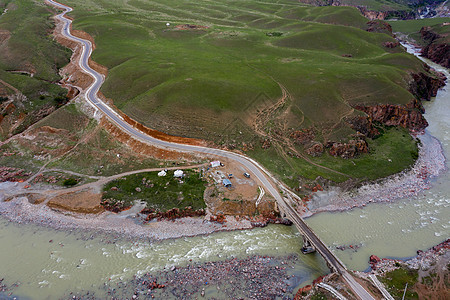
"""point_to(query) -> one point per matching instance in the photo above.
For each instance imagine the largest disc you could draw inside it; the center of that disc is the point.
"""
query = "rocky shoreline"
(424, 259)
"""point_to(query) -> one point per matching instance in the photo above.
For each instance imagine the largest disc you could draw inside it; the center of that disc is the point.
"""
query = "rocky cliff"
(437, 47)
(406, 116)
(422, 85)
(425, 86)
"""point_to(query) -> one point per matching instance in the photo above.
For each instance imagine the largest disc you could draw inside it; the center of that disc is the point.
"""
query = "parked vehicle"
(247, 175)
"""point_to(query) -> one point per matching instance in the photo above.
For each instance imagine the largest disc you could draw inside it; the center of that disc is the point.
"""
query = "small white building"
(215, 164)
(178, 173)
(162, 173)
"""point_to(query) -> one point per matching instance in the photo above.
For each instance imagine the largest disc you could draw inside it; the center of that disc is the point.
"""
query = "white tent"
(162, 173)
(178, 173)
(215, 163)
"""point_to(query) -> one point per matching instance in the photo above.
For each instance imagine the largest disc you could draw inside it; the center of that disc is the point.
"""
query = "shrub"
(70, 182)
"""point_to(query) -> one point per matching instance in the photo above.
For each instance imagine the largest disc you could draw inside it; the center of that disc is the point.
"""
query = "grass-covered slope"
(413, 26)
(29, 63)
(433, 35)
(245, 71)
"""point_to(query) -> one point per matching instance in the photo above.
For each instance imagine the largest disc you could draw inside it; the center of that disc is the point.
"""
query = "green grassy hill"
(245, 71)
(411, 28)
(27, 47)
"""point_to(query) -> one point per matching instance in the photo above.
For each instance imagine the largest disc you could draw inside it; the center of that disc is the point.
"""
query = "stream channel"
(48, 263)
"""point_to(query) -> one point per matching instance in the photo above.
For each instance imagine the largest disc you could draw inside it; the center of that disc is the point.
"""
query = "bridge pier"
(307, 246)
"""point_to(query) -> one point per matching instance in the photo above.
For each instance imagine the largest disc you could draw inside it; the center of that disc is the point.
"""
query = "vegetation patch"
(69, 182)
(392, 152)
(161, 193)
(395, 282)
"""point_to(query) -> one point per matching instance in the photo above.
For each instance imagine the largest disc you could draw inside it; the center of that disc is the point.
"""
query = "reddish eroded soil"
(141, 147)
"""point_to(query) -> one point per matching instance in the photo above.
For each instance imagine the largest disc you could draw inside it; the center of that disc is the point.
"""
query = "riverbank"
(426, 274)
(429, 165)
(130, 223)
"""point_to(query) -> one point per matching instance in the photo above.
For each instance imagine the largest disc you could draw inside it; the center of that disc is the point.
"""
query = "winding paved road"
(271, 184)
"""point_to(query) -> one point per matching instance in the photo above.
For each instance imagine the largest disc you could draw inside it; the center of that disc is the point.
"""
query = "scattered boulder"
(316, 149)
(266, 144)
(303, 137)
(348, 150)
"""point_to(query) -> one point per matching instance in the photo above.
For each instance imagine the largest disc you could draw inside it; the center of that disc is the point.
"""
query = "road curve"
(265, 178)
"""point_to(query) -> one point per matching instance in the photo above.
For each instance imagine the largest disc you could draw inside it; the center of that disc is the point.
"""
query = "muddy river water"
(47, 263)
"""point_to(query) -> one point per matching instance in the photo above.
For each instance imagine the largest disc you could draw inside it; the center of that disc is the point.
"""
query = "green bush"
(70, 182)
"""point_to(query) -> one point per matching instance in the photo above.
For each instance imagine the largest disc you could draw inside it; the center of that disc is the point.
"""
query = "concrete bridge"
(312, 240)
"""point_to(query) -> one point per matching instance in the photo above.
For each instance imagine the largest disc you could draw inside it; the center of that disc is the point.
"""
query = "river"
(48, 263)
(400, 228)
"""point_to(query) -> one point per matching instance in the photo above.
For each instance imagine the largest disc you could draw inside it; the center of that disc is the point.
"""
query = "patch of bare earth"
(82, 201)
(239, 199)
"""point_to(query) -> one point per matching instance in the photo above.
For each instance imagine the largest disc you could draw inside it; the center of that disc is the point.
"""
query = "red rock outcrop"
(372, 14)
(348, 150)
(424, 86)
(437, 48)
(391, 44)
(407, 116)
(302, 291)
(379, 26)
(364, 126)
(315, 150)
(265, 144)
(373, 261)
(302, 137)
